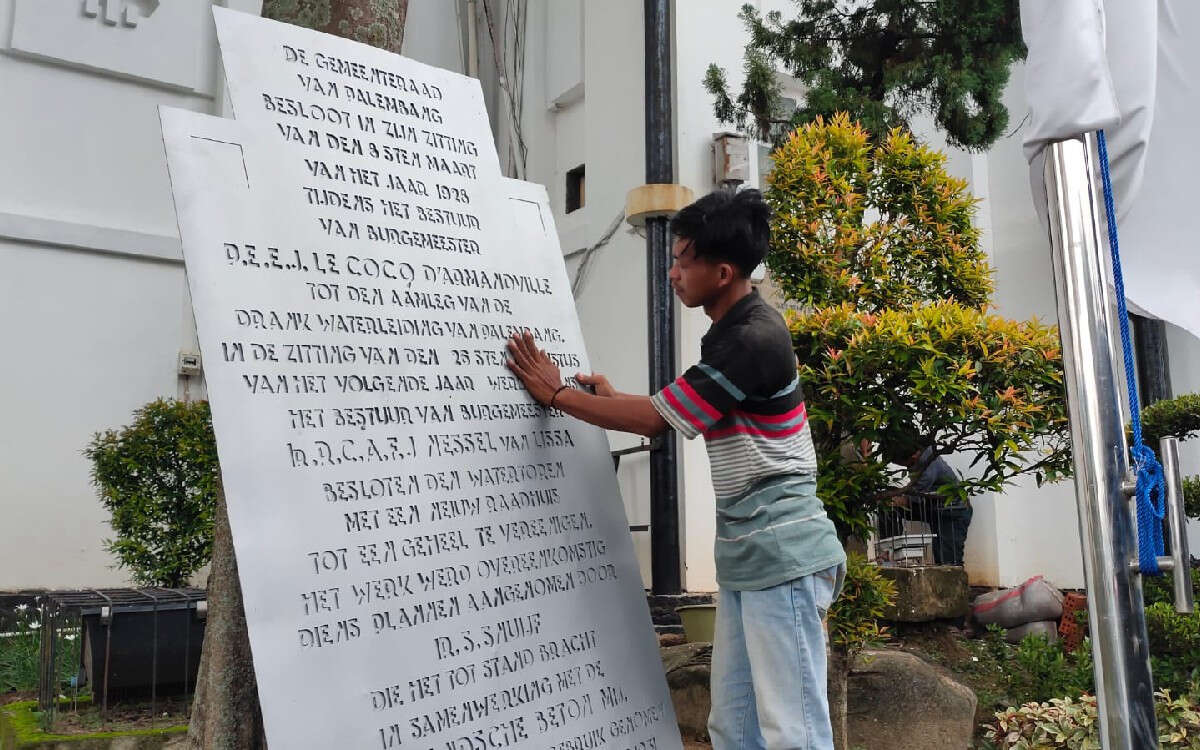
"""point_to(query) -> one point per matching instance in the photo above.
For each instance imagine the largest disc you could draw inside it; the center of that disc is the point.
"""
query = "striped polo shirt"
(744, 397)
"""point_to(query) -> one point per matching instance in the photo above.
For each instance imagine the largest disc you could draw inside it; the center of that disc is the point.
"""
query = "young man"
(779, 562)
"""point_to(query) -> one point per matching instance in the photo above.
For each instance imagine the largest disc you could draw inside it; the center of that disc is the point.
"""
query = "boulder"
(923, 594)
(689, 669)
(896, 700)
(899, 702)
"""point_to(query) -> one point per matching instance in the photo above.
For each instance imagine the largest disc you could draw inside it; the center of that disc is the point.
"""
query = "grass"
(18, 661)
(20, 647)
(22, 722)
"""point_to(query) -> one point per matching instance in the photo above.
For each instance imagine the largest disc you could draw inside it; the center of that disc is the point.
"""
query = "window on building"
(575, 188)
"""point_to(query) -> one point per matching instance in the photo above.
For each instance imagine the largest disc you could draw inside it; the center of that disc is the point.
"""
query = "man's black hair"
(727, 228)
(901, 446)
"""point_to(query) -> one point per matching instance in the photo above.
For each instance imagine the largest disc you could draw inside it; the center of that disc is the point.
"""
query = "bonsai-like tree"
(881, 61)
(873, 243)
(158, 479)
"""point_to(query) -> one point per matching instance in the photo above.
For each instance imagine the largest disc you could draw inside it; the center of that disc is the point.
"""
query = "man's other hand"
(533, 367)
(599, 384)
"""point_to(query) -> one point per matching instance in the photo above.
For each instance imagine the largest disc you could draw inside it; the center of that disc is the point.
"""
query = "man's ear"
(728, 274)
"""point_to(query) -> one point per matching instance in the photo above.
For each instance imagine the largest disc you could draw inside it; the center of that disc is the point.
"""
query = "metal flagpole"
(1124, 691)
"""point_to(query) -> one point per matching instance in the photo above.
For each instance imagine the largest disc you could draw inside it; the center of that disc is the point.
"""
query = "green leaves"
(964, 380)
(1174, 646)
(1174, 417)
(874, 226)
(875, 243)
(158, 477)
(854, 616)
(1074, 724)
(881, 61)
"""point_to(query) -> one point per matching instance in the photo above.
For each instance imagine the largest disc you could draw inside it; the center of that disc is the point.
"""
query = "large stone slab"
(928, 593)
(899, 702)
(428, 558)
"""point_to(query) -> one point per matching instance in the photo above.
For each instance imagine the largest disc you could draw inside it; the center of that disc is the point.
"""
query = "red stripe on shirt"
(690, 392)
(774, 418)
(682, 410)
(743, 429)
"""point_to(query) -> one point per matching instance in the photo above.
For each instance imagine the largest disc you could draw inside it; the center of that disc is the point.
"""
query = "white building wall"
(1185, 378)
(705, 31)
(91, 283)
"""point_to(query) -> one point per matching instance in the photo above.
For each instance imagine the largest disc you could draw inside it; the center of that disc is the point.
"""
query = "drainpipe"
(472, 39)
(665, 566)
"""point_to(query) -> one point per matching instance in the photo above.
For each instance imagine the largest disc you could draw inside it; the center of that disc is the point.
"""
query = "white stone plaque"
(428, 558)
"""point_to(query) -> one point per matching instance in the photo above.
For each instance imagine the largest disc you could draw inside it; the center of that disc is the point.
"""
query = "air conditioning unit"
(731, 159)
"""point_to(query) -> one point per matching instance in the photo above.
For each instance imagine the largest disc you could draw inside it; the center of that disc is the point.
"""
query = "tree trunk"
(225, 710)
(226, 714)
(839, 673)
(379, 23)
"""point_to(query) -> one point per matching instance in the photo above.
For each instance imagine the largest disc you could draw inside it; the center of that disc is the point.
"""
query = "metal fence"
(132, 641)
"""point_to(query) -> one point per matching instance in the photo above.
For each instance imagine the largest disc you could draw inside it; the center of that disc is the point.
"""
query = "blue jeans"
(768, 666)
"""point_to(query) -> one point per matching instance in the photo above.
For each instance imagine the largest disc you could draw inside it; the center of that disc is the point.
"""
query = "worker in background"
(924, 499)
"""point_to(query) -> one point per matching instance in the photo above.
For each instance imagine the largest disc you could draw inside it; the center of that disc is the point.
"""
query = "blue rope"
(1151, 485)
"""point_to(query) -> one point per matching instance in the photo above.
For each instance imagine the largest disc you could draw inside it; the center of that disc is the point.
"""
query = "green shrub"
(854, 617)
(158, 477)
(1041, 670)
(1074, 724)
(1156, 589)
(1191, 497)
(1174, 646)
(1175, 417)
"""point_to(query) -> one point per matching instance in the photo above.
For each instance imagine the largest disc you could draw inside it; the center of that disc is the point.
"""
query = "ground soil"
(121, 717)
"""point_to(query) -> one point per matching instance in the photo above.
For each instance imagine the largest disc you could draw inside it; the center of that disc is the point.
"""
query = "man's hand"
(533, 367)
(607, 408)
(599, 384)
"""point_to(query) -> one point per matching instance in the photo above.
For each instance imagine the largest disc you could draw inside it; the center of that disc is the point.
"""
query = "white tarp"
(1131, 68)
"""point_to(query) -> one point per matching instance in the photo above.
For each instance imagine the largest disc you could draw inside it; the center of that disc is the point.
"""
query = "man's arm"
(623, 412)
(606, 409)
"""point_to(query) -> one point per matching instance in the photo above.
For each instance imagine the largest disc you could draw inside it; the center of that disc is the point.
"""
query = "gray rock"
(671, 639)
(896, 700)
(676, 656)
(899, 702)
(934, 592)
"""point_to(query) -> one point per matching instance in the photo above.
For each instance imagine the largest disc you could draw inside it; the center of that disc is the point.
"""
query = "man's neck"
(730, 297)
